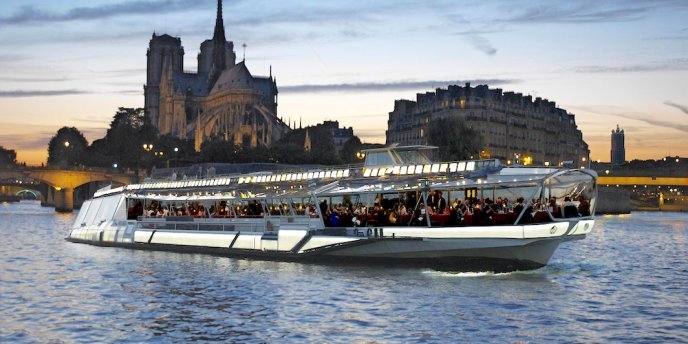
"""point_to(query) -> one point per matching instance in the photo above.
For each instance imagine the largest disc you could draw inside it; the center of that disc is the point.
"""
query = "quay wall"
(613, 201)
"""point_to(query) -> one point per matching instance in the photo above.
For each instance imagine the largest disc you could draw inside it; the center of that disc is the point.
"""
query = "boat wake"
(467, 274)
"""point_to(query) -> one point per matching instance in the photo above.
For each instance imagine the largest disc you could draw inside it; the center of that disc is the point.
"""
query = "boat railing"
(203, 226)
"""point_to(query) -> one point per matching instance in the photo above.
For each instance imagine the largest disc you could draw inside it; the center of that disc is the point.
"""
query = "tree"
(67, 148)
(129, 130)
(175, 151)
(8, 157)
(216, 149)
(456, 141)
(350, 150)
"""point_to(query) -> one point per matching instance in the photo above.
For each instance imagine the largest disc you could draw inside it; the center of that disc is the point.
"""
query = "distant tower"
(618, 149)
(307, 142)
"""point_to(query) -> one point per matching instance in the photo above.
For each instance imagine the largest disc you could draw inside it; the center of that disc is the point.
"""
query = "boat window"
(575, 187)
(379, 159)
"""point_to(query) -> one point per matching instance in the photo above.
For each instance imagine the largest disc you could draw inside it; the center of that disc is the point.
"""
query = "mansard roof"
(197, 83)
(237, 77)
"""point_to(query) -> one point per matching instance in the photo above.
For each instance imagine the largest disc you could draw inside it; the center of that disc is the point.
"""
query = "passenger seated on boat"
(400, 209)
(419, 214)
(570, 209)
(583, 206)
(334, 219)
(441, 203)
(457, 212)
(518, 207)
(497, 205)
(528, 216)
(553, 208)
(506, 206)
(477, 214)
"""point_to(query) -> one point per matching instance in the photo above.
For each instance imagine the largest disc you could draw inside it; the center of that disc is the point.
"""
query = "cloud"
(31, 79)
(638, 116)
(32, 137)
(130, 92)
(683, 108)
(31, 14)
(679, 64)
(482, 44)
(39, 93)
(584, 13)
(387, 86)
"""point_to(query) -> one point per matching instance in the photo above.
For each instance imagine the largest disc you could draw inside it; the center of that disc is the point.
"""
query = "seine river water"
(626, 282)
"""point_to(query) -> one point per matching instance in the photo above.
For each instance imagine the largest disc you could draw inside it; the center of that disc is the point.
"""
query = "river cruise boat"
(398, 208)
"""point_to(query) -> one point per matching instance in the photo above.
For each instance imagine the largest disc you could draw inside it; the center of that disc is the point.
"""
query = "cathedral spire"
(219, 43)
(219, 34)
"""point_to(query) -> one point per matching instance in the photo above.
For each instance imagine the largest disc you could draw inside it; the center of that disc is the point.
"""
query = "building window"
(422, 132)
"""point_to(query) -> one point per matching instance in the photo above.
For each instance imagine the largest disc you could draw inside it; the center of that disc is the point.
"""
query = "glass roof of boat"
(506, 177)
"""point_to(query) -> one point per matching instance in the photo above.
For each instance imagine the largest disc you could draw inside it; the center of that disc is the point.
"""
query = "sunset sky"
(73, 62)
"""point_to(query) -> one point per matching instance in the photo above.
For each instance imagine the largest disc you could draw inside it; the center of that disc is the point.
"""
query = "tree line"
(123, 147)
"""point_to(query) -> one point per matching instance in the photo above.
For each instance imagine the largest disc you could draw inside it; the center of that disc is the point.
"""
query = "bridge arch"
(63, 182)
(35, 194)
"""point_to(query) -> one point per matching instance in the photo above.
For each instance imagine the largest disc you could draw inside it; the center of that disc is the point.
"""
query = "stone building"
(339, 135)
(223, 99)
(515, 128)
(618, 152)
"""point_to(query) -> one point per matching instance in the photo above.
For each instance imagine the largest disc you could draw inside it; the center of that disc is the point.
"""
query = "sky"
(74, 62)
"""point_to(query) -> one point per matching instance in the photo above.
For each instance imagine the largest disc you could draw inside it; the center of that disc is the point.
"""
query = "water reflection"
(626, 282)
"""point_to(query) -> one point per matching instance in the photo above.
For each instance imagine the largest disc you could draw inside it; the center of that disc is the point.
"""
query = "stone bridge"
(639, 180)
(61, 183)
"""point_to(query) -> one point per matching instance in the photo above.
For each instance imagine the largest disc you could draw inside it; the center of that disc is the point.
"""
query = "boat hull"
(498, 255)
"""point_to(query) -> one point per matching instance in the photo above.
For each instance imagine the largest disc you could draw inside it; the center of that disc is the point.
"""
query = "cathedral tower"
(160, 49)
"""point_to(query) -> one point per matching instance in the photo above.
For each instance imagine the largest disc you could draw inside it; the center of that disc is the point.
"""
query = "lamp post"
(66, 144)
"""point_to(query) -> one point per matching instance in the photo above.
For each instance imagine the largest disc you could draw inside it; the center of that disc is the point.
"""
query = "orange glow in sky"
(74, 62)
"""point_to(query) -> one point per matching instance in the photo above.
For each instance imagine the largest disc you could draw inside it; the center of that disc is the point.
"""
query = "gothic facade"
(223, 99)
(514, 127)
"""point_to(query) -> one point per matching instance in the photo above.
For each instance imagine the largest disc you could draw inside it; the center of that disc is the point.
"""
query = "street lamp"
(147, 147)
(360, 155)
(66, 144)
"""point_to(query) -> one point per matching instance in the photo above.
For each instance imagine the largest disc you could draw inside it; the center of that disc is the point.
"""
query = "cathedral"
(222, 100)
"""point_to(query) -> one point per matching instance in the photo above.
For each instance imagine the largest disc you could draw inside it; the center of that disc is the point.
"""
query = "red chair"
(468, 220)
